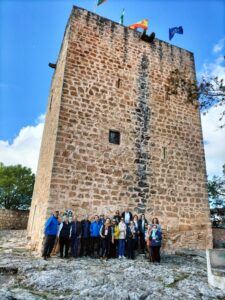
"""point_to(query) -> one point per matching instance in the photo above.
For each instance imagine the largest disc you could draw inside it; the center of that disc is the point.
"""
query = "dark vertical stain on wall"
(88, 17)
(112, 29)
(125, 41)
(160, 56)
(143, 135)
(101, 24)
(160, 50)
(181, 57)
(171, 53)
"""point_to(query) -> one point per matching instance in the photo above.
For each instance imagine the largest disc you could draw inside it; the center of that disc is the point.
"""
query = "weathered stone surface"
(218, 237)
(177, 277)
(108, 78)
(13, 219)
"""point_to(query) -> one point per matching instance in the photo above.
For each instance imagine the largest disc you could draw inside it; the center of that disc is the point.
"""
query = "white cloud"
(214, 69)
(219, 46)
(41, 119)
(25, 147)
(214, 138)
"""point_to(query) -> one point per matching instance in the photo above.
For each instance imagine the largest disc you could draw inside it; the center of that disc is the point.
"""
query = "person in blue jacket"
(95, 237)
(155, 242)
(51, 229)
(101, 220)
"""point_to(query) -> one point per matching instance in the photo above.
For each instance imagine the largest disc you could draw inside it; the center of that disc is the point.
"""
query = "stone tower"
(122, 128)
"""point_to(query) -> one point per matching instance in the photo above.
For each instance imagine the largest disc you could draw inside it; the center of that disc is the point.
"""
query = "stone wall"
(218, 237)
(40, 199)
(13, 219)
(113, 80)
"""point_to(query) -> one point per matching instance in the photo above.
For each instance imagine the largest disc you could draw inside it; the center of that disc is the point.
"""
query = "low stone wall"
(13, 219)
(216, 268)
(218, 237)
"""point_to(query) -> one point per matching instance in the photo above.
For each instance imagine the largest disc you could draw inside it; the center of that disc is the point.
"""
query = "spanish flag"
(142, 24)
(99, 2)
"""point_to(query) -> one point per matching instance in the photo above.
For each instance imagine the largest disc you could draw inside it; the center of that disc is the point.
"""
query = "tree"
(216, 192)
(212, 93)
(16, 187)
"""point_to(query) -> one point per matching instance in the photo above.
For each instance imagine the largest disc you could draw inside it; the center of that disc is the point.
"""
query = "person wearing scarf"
(155, 238)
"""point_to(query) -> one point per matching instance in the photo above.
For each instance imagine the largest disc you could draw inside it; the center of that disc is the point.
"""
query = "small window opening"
(114, 137)
(50, 105)
(118, 83)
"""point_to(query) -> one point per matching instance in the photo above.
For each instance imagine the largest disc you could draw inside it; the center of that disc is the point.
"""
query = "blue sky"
(31, 34)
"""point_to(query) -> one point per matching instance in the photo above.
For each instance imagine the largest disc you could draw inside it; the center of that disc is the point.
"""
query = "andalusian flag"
(122, 17)
(142, 24)
(99, 2)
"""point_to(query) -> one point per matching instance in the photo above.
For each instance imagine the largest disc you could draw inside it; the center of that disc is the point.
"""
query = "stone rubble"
(24, 276)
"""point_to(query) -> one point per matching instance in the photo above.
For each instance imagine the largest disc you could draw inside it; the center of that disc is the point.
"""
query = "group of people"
(121, 237)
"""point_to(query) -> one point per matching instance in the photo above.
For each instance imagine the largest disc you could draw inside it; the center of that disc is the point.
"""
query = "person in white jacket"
(122, 237)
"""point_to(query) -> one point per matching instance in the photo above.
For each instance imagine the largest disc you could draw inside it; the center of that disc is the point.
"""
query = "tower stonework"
(108, 79)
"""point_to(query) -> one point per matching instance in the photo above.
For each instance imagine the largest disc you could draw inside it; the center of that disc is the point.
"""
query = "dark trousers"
(121, 247)
(130, 248)
(113, 249)
(105, 247)
(85, 246)
(136, 243)
(49, 244)
(95, 246)
(155, 253)
(64, 242)
(75, 243)
(142, 241)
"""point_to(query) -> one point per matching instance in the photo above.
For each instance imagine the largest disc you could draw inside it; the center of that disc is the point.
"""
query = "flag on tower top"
(99, 2)
(142, 24)
(174, 30)
(122, 17)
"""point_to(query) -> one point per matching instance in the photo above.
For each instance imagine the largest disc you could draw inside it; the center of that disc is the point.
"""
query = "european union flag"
(174, 30)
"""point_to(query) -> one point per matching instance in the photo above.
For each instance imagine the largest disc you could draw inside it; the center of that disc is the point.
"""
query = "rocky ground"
(24, 276)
